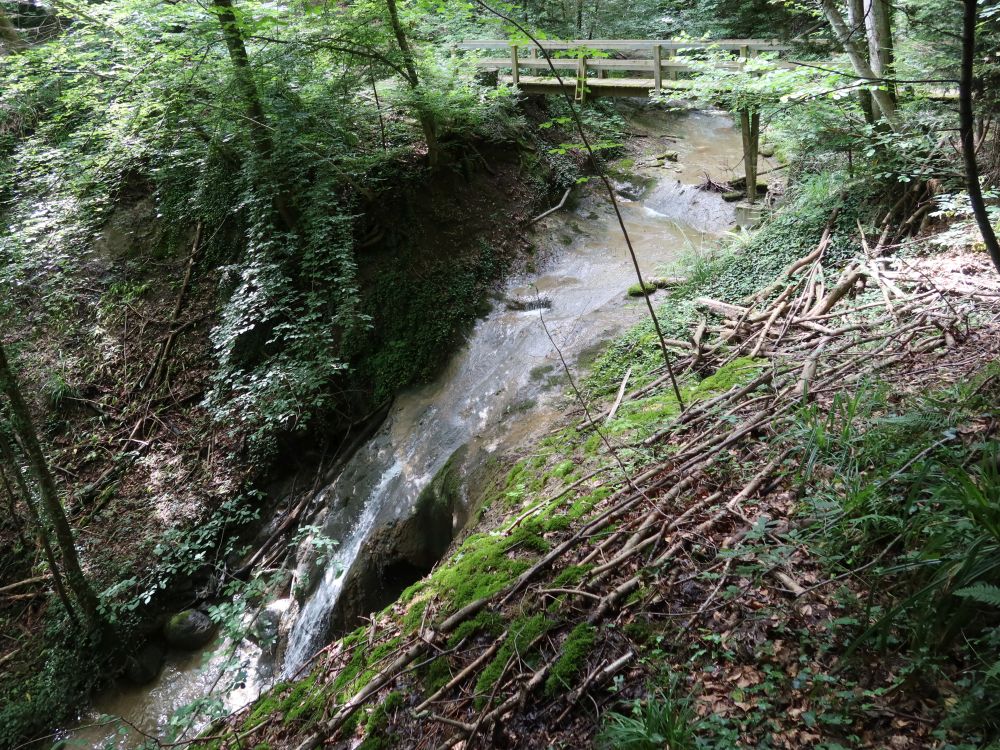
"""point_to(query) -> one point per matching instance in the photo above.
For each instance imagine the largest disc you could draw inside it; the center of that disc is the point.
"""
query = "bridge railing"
(758, 45)
(654, 59)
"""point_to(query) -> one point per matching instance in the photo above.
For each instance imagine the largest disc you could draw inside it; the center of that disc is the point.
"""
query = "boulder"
(265, 628)
(144, 666)
(189, 630)
(767, 150)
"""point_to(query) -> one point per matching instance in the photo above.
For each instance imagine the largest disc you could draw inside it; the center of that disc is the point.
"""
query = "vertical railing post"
(515, 73)
(657, 68)
(581, 80)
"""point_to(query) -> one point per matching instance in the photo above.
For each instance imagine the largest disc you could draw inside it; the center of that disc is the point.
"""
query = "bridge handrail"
(497, 63)
(757, 45)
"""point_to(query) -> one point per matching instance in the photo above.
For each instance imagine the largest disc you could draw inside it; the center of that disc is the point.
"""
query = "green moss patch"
(571, 575)
(564, 672)
(641, 290)
(520, 636)
(480, 567)
(485, 622)
(376, 738)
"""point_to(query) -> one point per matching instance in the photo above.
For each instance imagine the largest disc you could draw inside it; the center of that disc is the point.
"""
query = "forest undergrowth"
(755, 569)
(118, 350)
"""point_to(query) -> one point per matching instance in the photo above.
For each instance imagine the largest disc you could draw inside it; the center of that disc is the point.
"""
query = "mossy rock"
(667, 282)
(144, 666)
(767, 150)
(641, 290)
(667, 156)
(189, 630)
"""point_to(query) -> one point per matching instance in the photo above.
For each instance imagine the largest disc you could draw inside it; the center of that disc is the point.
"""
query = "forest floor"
(753, 569)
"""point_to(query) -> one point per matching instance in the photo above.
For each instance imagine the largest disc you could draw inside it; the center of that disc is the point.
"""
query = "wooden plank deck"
(595, 86)
(500, 63)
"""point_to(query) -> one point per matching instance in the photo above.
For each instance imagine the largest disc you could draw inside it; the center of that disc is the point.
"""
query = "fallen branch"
(553, 209)
(25, 582)
(618, 399)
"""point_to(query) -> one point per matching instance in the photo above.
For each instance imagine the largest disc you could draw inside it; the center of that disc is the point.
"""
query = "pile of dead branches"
(820, 335)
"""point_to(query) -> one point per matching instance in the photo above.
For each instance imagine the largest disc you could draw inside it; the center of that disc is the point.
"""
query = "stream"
(501, 389)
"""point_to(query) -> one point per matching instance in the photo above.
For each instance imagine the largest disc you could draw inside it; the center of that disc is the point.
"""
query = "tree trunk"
(15, 517)
(41, 532)
(859, 63)
(12, 41)
(967, 129)
(24, 431)
(750, 127)
(426, 121)
(878, 25)
(260, 129)
(856, 19)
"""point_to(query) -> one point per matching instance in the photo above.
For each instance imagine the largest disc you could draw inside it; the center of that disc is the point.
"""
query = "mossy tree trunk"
(967, 123)
(856, 19)
(750, 127)
(27, 438)
(425, 117)
(260, 128)
(41, 531)
(881, 49)
(856, 54)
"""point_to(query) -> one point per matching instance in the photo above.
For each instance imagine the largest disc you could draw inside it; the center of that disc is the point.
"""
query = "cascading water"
(497, 391)
(308, 627)
(481, 398)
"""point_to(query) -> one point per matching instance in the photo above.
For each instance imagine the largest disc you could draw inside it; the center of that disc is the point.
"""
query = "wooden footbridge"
(638, 67)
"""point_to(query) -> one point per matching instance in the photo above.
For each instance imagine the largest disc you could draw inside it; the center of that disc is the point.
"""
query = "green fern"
(983, 593)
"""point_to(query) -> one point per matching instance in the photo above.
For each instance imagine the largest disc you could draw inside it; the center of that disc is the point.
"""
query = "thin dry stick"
(607, 186)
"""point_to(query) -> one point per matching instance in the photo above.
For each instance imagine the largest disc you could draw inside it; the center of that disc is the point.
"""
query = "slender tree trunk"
(378, 108)
(750, 127)
(881, 50)
(967, 128)
(260, 129)
(41, 532)
(856, 19)
(579, 18)
(15, 517)
(593, 19)
(24, 430)
(426, 121)
(859, 63)
(10, 39)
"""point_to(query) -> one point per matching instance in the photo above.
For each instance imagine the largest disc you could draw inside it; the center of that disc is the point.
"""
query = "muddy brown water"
(498, 392)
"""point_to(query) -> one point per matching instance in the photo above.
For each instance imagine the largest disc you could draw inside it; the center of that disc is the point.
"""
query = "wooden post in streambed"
(515, 77)
(750, 127)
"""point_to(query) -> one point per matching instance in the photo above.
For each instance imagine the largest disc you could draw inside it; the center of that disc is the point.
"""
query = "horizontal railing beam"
(608, 44)
(565, 63)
